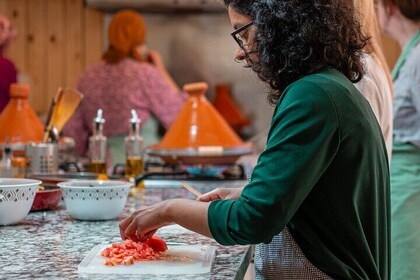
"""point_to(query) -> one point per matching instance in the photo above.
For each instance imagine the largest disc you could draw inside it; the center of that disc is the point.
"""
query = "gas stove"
(157, 170)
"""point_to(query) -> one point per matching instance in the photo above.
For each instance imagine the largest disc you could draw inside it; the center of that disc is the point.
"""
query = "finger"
(131, 231)
(206, 197)
(124, 224)
(210, 196)
(122, 234)
(151, 233)
(145, 235)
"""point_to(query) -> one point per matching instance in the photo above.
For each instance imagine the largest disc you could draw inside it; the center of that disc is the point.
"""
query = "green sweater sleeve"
(302, 142)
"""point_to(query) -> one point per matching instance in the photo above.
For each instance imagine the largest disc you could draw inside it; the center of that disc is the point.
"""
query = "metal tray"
(191, 156)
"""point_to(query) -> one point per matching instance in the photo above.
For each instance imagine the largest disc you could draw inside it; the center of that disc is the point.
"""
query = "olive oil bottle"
(97, 147)
(134, 150)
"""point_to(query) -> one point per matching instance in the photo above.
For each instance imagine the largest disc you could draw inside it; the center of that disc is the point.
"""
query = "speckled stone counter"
(51, 244)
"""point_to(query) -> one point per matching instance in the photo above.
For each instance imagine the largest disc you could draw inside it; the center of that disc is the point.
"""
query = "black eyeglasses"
(237, 37)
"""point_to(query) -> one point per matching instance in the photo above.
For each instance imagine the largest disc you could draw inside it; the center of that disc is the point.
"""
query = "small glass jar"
(19, 165)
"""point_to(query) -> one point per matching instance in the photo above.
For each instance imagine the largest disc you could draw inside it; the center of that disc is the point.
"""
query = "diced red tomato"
(129, 252)
(157, 244)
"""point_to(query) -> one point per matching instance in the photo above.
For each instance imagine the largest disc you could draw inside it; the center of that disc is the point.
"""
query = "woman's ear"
(390, 9)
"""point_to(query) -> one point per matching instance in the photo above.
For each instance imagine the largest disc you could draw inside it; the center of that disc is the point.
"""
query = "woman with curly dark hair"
(317, 204)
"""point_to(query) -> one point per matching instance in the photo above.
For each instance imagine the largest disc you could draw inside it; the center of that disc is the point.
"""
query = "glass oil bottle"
(134, 150)
(97, 147)
(6, 170)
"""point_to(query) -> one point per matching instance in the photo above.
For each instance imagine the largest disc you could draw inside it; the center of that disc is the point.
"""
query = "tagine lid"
(199, 125)
(18, 121)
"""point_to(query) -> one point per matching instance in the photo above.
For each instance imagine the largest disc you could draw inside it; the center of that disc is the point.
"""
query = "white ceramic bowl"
(95, 199)
(16, 198)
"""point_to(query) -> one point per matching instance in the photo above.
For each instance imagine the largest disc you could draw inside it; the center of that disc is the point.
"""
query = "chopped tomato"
(157, 244)
(130, 251)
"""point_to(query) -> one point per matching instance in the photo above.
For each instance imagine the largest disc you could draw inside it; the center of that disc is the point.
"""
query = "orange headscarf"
(126, 31)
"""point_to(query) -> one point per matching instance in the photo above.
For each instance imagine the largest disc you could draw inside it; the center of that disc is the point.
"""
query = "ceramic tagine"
(18, 121)
(199, 134)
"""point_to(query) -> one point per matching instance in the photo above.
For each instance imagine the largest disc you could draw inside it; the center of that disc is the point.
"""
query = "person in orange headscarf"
(131, 77)
(8, 72)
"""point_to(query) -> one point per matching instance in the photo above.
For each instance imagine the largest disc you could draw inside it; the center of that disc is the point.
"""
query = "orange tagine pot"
(18, 121)
(225, 105)
(199, 134)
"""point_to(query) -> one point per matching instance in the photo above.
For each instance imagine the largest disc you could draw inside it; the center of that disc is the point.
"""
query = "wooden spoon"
(50, 114)
(190, 188)
(65, 107)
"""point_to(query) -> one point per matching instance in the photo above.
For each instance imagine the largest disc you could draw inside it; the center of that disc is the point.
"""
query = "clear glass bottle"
(134, 149)
(6, 169)
(97, 147)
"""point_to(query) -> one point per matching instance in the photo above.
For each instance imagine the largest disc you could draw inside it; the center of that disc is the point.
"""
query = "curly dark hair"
(295, 38)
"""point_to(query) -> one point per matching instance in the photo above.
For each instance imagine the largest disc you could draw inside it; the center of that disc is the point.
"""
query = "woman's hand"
(143, 223)
(221, 193)
(155, 58)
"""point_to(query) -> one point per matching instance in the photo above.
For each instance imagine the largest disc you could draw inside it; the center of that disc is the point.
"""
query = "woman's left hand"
(143, 223)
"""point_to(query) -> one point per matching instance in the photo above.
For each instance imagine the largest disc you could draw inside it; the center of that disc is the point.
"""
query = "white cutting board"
(180, 259)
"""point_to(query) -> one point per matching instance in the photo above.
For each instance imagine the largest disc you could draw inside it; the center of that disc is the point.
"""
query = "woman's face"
(7, 32)
(246, 36)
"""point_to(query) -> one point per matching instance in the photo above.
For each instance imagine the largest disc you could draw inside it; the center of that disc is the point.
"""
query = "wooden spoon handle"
(191, 189)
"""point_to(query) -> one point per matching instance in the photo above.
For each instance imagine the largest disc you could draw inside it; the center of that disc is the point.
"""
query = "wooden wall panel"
(3, 6)
(57, 40)
(56, 49)
(16, 12)
(36, 66)
(93, 36)
(74, 62)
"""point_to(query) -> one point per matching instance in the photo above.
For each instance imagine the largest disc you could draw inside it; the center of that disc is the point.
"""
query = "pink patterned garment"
(8, 75)
(118, 88)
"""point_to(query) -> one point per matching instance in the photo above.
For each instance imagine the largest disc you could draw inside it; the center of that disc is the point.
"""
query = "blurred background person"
(8, 73)
(376, 85)
(131, 77)
(401, 21)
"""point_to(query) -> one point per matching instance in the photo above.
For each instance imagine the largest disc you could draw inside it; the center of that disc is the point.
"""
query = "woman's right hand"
(221, 193)
(154, 58)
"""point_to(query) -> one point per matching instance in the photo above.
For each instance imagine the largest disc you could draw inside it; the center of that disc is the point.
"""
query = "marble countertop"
(51, 244)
